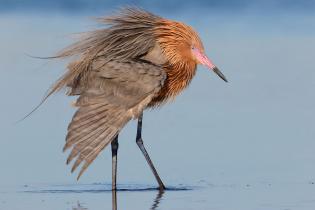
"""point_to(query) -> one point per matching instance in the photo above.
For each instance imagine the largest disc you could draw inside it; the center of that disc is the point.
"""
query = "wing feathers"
(81, 143)
(116, 92)
(90, 134)
(76, 132)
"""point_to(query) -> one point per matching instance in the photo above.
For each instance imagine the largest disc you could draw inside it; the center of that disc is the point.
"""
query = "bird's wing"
(116, 92)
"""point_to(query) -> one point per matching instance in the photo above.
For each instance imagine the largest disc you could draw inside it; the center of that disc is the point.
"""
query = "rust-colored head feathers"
(177, 40)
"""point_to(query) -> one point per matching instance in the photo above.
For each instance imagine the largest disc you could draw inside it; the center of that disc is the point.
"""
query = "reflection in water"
(157, 200)
(79, 207)
(114, 199)
(154, 206)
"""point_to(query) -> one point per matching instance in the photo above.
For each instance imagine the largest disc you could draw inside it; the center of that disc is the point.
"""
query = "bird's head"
(182, 45)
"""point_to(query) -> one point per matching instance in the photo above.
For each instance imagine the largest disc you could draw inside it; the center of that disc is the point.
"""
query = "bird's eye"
(192, 47)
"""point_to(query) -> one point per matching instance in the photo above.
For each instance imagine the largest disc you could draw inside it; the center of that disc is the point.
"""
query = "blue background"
(257, 130)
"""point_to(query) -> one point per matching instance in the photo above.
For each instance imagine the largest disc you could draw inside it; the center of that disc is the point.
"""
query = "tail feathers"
(92, 128)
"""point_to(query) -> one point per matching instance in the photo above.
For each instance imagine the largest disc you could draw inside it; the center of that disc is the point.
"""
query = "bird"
(137, 61)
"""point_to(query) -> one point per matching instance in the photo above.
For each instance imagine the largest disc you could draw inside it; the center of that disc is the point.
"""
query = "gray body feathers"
(115, 77)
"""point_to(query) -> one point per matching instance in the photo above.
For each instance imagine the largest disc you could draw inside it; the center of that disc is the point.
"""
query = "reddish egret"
(139, 61)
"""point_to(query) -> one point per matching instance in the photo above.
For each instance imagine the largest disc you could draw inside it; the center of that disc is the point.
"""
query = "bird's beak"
(219, 73)
(204, 60)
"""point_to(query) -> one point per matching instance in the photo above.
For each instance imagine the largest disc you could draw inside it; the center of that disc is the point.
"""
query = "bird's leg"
(145, 153)
(114, 145)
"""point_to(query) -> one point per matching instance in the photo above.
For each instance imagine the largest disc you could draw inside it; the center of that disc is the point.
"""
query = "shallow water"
(258, 196)
(245, 145)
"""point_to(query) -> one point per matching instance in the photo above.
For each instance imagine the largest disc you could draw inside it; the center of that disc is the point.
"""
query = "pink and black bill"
(203, 59)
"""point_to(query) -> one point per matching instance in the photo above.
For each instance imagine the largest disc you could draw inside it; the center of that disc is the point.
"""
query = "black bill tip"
(219, 73)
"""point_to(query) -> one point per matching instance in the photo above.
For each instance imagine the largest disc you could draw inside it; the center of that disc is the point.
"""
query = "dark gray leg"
(114, 145)
(145, 153)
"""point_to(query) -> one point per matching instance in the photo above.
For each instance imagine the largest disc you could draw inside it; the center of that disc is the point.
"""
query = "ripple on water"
(97, 188)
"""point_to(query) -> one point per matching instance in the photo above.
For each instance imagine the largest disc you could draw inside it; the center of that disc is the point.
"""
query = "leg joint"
(114, 144)
(115, 147)
(139, 140)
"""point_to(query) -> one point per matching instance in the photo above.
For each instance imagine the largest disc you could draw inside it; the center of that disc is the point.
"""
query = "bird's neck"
(178, 78)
